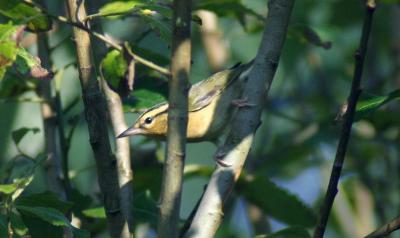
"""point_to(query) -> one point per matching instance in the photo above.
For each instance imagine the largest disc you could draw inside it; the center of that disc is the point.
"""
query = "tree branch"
(245, 123)
(347, 123)
(386, 229)
(95, 112)
(101, 37)
(170, 197)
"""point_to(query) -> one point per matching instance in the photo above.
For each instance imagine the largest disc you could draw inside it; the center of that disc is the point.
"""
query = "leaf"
(22, 183)
(30, 66)
(117, 7)
(47, 214)
(233, 8)
(97, 212)
(23, 13)
(18, 225)
(114, 67)
(290, 232)
(373, 103)
(44, 199)
(306, 33)
(276, 201)
(3, 226)
(162, 28)
(17, 135)
(8, 188)
(8, 47)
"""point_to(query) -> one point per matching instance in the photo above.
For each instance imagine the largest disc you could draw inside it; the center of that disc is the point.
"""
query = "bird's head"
(152, 122)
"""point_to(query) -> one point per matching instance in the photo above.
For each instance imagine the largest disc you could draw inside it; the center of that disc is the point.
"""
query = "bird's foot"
(242, 103)
(219, 158)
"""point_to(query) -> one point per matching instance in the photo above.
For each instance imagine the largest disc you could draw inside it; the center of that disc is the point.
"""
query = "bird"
(211, 104)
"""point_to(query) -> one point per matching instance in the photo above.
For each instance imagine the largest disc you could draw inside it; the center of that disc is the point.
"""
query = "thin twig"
(171, 190)
(386, 229)
(96, 114)
(103, 38)
(245, 123)
(347, 123)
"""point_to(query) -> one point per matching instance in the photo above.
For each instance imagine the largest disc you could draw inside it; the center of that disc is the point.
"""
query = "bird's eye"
(148, 120)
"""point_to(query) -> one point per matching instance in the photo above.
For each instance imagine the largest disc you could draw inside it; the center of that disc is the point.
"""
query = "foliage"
(296, 141)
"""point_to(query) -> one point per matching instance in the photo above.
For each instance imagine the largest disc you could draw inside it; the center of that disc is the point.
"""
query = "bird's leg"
(243, 102)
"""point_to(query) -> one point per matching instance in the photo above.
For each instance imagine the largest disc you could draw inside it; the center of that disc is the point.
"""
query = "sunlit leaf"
(8, 188)
(372, 103)
(22, 183)
(8, 47)
(30, 66)
(17, 135)
(97, 212)
(290, 232)
(276, 201)
(118, 7)
(23, 13)
(114, 68)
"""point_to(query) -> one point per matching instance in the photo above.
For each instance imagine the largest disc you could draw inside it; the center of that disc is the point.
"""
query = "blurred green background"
(296, 143)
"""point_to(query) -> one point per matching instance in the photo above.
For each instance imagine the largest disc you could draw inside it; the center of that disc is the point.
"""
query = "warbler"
(211, 104)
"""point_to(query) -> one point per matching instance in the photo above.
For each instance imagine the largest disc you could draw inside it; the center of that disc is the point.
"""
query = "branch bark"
(170, 196)
(347, 123)
(245, 123)
(386, 229)
(95, 112)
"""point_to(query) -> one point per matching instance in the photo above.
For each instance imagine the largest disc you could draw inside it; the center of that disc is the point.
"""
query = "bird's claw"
(219, 158)
(242, 103)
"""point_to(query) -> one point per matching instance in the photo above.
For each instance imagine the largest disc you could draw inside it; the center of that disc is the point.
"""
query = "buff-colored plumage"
(210, 108)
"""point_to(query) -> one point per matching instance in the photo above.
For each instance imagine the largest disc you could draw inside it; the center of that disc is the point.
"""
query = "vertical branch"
(95, 112)
(118, 124)
(177, 121)
(347, 123)
(245, 123)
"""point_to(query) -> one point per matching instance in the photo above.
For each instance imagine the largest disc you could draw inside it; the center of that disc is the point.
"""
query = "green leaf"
(23, 13)
(97, 212)
(8, 188)
(159, 26)
(17, 135)
(18, 225)
(118, 8)
(79, 233)
(44, 199)
(30, 66)
(22, 183)
(233, 8)
(276, 201)
(8, 47)
(290, 232)
(114, 67)
(3, 226)
(372, 103)
(47, 214)
(307, 34)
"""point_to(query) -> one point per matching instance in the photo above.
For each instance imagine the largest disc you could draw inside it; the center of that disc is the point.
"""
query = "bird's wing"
(202, 93)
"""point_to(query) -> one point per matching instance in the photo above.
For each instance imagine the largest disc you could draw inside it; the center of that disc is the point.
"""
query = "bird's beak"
(130, 132)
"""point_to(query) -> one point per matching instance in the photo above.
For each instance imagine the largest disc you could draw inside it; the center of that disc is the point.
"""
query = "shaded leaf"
(47, 214)
(18, 225)
(44, 199)
(23, 13)
(17, 135)
(8, 188)
(3, 226)
(307, 34)
(233, 8)
(276, 201)
(290, 232)
(97, 212)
